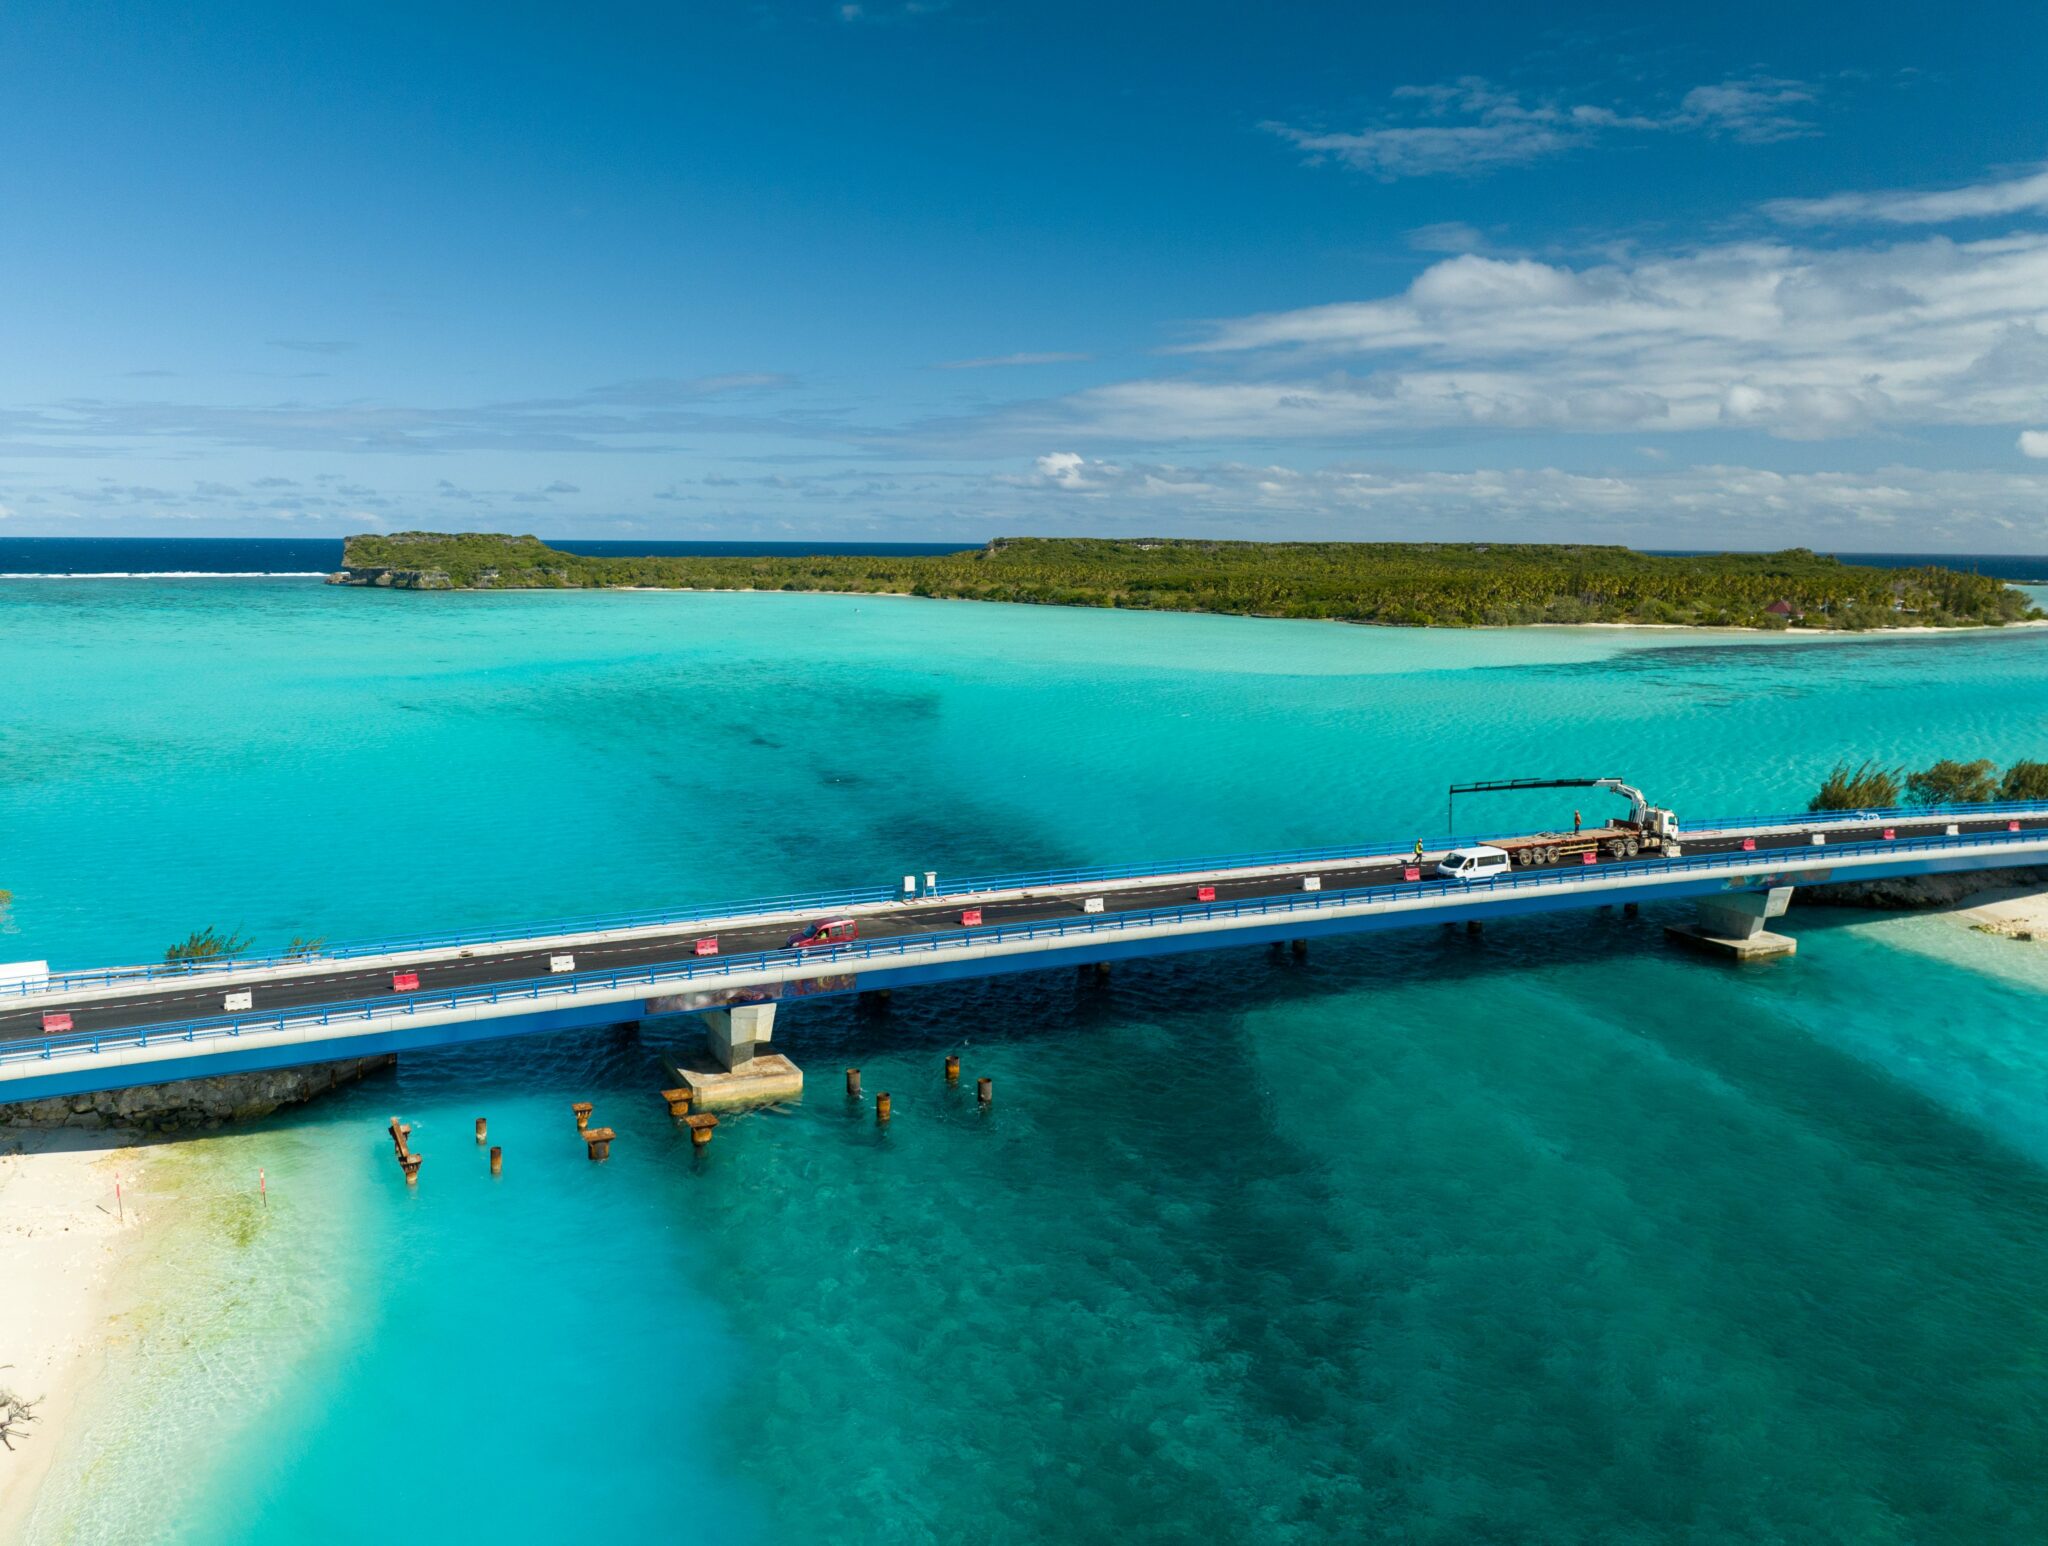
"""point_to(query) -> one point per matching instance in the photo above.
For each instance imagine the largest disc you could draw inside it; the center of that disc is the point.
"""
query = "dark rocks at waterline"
(186, 1104)
(1903, 893)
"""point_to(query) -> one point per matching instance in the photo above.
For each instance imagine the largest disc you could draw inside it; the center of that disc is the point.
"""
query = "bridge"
(76, 1032)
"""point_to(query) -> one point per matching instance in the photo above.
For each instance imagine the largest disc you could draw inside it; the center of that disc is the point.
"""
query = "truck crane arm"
(1640, 810)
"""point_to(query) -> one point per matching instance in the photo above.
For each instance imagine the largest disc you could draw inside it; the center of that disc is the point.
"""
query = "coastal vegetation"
(207, 944)
(1417, 584)
(1871, 786)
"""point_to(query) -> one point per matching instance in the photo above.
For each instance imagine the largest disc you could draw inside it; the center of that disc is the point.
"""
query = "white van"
(1474, 863)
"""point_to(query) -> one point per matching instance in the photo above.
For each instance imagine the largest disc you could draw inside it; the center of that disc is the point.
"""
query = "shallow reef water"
(1545, 1235)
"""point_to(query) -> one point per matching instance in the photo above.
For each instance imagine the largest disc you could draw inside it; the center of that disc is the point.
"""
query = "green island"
(1408, 584)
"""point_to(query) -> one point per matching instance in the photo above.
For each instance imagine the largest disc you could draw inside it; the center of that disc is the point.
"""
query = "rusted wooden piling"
(497, 1160)
(952, 1069)
(702, 1124)
(679, 1100)
(582, 1108)
(401, 1140)
(853, 1083)
(882, 1107)
(984, 1089)
(600, 1141)
(480, 1127)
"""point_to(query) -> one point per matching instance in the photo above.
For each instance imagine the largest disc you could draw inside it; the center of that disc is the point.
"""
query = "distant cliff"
(1417, 584)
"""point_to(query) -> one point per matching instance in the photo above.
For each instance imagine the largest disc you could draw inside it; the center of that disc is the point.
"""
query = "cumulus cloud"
(1796, 342)
(1977, 201)
(1470, 126)
(2034, 443)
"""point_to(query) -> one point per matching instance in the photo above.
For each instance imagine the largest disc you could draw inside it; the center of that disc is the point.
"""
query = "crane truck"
(1646, 829)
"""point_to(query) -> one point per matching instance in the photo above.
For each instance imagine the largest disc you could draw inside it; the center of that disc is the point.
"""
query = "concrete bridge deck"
(143, 1025)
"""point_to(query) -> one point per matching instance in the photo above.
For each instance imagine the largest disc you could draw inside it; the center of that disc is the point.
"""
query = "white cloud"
(1470, 126)
(1042, 357)
(1796, 342)
(1978, 201)
(1758, 110)
(1699, 506)
(2034, 442)
(1064, 469)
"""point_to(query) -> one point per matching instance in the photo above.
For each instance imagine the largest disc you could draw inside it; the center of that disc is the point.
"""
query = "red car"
(826, 931)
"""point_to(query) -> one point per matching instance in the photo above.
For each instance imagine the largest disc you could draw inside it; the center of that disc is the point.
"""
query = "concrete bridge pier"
(1732, 924)
(734, 1036)
(737, 1069)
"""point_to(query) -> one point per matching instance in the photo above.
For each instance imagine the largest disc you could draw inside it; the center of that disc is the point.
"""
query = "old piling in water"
(582, 1108)
(480, 1125)
(853, 1083)
(410, 1164)
(679, 1100)
(952, 1068)
(600, 1141)
(984, 1089)
(882, 1107)
(701, 1125)
(497, 1160)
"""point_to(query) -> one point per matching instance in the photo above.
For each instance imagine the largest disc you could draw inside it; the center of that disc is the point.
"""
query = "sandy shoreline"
(65, 1240)
(1275, 617)
(2014, 911)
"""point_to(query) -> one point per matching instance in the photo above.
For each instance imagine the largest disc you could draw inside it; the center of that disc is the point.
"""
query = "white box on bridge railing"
(24, 975)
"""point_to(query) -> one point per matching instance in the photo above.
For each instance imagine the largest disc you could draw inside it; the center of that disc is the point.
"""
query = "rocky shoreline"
(187, 1105)
(1908, 893)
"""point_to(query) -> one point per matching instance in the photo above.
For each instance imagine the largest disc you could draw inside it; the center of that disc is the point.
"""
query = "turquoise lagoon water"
(1551, 1235)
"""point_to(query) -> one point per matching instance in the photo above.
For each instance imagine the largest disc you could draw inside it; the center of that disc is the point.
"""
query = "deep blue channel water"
(1550, 1235)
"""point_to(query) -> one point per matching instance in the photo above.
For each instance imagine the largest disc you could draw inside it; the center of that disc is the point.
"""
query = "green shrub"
(1864, 787)
(206, 945)
(2024, 781)
(1953, 783)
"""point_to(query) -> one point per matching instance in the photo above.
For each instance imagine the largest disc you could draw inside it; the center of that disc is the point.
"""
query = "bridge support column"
(736, 1068)
(1732, 924)
(735, 1035)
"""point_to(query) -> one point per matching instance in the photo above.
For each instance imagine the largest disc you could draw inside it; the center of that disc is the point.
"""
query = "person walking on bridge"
(1418, 850)
(1575, 823)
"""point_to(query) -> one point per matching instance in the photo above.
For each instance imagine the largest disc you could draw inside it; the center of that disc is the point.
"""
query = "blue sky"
(1744, 276)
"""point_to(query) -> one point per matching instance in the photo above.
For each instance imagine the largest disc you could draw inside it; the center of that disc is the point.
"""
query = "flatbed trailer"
(1612, 842)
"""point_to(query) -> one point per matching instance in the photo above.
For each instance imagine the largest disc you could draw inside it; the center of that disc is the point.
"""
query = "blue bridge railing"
(816, 903)
(851, 956)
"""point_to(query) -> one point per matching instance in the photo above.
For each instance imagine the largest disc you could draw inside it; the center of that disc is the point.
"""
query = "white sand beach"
(2013, 911)
(64, 1236)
